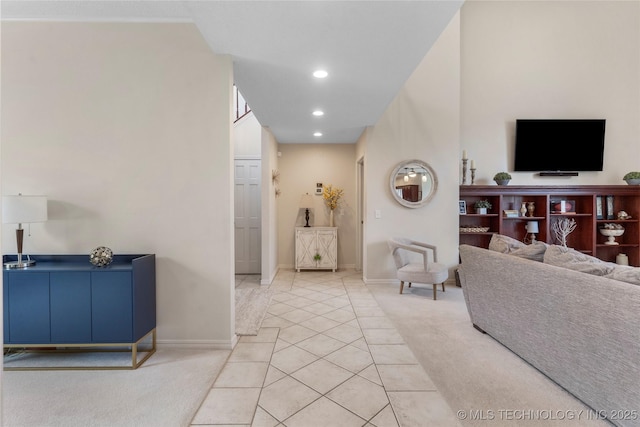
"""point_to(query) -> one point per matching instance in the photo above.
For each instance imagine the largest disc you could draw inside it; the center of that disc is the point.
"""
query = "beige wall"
(127, 126)
(502, 61)
(301, 167)
(247, 137)
(560, 59)
(421, 123)
(269, 265)
(127, 129)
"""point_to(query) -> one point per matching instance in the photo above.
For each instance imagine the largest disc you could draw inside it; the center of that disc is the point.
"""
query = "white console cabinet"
(317, 248)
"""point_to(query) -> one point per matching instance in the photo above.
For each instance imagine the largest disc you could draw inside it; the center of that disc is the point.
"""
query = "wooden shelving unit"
(584, 200)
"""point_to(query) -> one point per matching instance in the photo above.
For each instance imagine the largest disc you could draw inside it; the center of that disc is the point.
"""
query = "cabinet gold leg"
(77, 348)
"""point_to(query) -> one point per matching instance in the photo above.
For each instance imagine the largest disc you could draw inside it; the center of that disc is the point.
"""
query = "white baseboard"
(198, 344)
(286, 267)
(268, 281)
(381, 281)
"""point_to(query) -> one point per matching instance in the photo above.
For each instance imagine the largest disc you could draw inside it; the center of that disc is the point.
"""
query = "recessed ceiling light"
(317, 134)
(320, 74)
(318, 113)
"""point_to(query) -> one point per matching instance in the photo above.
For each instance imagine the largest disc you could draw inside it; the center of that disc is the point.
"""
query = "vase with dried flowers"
(331, 197)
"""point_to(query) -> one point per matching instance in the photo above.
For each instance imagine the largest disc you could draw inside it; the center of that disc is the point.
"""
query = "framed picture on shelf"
(563, 206)
(462, 207)
(599, 208)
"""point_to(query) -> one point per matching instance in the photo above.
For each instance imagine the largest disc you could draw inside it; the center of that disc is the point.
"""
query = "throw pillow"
(504, 244)
(574, 260)
(534, 251)
(509, 245)
(625, 273)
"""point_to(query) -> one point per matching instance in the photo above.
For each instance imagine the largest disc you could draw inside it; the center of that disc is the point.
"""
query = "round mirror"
(413, 183)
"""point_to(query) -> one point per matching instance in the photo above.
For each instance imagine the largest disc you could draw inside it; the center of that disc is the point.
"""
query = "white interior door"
(247, 216)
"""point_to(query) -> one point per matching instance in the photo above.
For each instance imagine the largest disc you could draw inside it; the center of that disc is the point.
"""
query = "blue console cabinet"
(64, 301)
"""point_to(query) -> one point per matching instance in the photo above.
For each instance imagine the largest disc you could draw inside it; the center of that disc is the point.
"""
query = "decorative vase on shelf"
(331, 218)
(523, 209)
(531, 207)
(612, 231)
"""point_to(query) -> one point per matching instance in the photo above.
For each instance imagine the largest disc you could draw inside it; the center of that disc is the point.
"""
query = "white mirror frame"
(413, 164)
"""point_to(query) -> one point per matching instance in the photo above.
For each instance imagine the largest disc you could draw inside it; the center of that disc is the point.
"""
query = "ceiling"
(369, 49)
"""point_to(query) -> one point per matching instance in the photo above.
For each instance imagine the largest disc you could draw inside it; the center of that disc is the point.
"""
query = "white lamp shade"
(306, 201)
(24, 209)
(532, 227)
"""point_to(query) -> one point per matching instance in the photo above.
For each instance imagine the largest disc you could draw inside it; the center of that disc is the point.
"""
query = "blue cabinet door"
(70, 307)
(28, 294)
(111, 306)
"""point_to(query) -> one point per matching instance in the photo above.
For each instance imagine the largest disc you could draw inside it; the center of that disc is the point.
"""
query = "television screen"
(559, 145)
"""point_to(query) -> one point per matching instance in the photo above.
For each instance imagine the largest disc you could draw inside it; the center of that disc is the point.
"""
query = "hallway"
(326, 355)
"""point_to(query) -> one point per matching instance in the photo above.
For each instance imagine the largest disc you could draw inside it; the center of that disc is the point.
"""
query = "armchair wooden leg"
(442, 286)
(401, 286)
(409, 284)
(435, 288)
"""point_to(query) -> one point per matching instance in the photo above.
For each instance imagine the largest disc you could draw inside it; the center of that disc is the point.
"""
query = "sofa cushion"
(534, 251)
(577, 261)
(625, 273)
(504, 244)
(511, 246)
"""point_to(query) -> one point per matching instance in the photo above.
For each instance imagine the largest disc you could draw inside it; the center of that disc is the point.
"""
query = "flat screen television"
(559, 145)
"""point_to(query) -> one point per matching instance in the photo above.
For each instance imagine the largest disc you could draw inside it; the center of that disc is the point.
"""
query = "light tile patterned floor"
(326, 355)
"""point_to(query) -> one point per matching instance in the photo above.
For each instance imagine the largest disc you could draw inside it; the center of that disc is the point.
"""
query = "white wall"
(510, 60)
(301, 167)
(421, 123)
(127, 129)
(247, 137)
(558, 59)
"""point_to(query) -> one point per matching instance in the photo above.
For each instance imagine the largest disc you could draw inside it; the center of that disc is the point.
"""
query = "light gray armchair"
(417, 272)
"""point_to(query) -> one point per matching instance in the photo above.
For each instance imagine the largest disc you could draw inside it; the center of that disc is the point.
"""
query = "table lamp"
(22, 210)
(306, 203)
(532, 230)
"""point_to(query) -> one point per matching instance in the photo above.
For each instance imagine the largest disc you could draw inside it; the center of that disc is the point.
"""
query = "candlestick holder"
(464, 171)
(473, 175)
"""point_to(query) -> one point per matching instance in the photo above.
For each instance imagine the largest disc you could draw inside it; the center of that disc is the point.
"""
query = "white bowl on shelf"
(611, 233)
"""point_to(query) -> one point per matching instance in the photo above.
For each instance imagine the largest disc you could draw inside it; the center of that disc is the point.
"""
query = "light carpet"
(165, 391)
(478, 376)
(251, 307)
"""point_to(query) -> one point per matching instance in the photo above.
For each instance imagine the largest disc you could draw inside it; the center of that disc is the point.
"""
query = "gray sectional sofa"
(581, 329)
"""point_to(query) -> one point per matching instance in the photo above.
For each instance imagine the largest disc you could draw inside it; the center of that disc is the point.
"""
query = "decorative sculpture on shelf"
(101, 256)
(612, 230)
(531, 207)
(562, 228)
